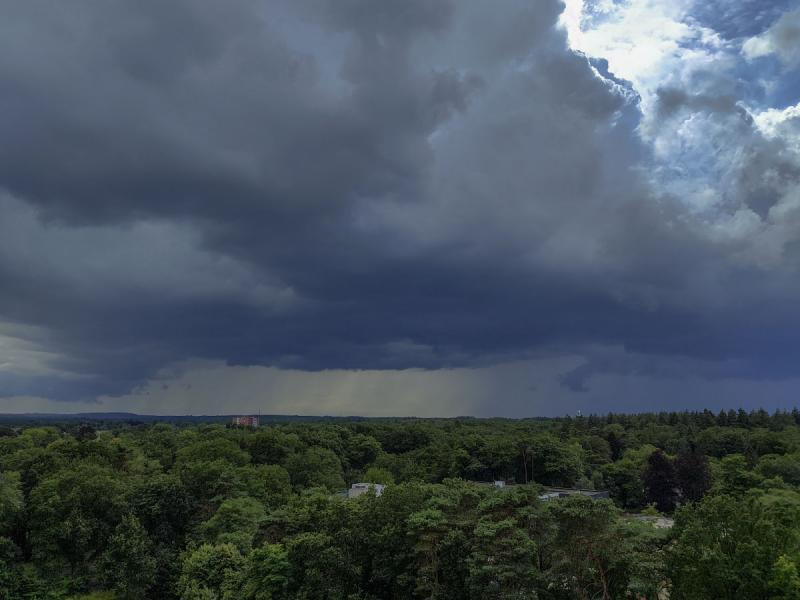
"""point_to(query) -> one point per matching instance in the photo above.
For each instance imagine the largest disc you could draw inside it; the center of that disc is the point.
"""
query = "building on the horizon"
(246, 421)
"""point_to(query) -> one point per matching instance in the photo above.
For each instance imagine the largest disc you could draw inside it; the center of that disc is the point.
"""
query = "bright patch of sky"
(775, 122)
(638, 38)
(714, 96)
(21, 355)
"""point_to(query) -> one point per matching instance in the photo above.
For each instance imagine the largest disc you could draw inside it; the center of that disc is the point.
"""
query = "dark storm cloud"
(346, 184)
(672, 100)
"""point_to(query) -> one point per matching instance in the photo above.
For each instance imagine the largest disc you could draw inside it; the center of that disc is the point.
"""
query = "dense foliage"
(124, 510)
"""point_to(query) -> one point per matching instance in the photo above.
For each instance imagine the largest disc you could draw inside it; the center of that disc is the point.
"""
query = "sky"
(409, 207)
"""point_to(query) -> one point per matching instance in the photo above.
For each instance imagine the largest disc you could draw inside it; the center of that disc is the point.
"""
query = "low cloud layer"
(438, 186)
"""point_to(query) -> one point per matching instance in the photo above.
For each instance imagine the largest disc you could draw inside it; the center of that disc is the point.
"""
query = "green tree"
(212, 572)
(128, 563)
(554, 462)
(212, 450)
(266, 574)
(659, 481)
(731, 475)
(72, 515)
(692, 473)
(503, 564)
(319, 568)
(11, 500)
(9, 576)
(360, 450)
(209, 483)
(269, 483)
(163, 507)
(429, 528)
(615, 436)
(271, 446)
(729, 547)
(316, 467)
(786, 466)
(378, 475)
(624, 482)
(784, 580)
(588, 552)
(236, 521)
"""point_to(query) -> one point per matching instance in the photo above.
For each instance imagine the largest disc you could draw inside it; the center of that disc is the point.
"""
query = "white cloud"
(782, 39)
(656, 45)
(640, 39)
(781, 123)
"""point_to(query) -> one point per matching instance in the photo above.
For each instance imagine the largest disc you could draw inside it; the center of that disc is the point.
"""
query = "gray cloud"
(782, 39)
(358, 185)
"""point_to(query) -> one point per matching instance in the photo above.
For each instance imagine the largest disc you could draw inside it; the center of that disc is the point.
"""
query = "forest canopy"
(110, 509)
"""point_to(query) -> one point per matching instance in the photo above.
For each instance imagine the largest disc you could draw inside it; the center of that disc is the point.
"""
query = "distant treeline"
(705, 418)
(128, 508)
(108, 420)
